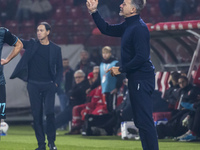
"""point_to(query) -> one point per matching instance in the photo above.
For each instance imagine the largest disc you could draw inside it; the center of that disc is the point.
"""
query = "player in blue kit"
(12, 40)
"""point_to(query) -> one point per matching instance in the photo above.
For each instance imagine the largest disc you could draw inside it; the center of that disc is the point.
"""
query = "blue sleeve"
(110, 30)
(141, 47)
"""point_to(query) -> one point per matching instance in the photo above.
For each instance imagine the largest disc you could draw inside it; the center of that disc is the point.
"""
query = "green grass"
(23, 138)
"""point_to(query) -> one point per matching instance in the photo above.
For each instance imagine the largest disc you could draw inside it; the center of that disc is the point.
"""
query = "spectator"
(171, 94)
(41, 10)
(110, 122)
(24, 10)
(166, 7)
(174, 127)
(3, 12)
(192, 5)
(77, 96)
(109, 84)
(181, 8)
(185, 87)
(77, 112)
(11, 8)
(66, 84)
(191, 121)
(96, 57)
(85, 64)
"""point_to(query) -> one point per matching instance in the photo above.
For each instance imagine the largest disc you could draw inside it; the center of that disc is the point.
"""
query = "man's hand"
(114, 71)
(4, 61)
(92, 5)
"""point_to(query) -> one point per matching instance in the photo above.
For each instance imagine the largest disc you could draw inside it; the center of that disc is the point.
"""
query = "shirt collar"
(132, 19)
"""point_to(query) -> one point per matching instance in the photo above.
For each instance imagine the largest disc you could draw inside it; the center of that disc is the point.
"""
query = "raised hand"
(92, 5)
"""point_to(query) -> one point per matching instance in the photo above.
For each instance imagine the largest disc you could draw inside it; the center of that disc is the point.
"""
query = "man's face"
(95, 74)
(65, 63)
(127, 9)
(42, 33)
(182, 83)
(84, 56)
(106, 55)
(78, 78)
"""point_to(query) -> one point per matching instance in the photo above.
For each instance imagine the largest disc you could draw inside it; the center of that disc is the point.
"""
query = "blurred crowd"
(95, 110)
(179, 8)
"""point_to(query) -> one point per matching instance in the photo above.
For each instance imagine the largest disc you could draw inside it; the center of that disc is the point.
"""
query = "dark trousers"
(110, 101)
(105, 121)
(140, 97)
(42, 99)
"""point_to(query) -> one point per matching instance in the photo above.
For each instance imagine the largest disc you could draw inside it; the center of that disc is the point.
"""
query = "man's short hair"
(139, 5)
(107, 49)
(80, 72)
(47, 25)
(175, 76)
(84, 51)
(184, 78)
(96, 67)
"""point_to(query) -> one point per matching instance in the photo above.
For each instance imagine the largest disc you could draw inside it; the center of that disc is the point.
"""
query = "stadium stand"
(75, 21)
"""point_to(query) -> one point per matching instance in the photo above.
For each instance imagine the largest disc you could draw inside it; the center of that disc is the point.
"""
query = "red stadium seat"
(80, 39)
(196, 80)
(59, 14)
(158, 81)
(164, 82)
(12, 25)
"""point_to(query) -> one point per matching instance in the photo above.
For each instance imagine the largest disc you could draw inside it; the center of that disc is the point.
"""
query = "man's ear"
(133, 11)
(48, 32)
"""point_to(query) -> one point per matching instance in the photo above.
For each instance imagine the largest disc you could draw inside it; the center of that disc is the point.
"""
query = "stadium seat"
(196, 80)
(28, 27)
(75, 13)
(164, 82)
(158, 81)
(12, 25)
(60, 13)
(80, 39)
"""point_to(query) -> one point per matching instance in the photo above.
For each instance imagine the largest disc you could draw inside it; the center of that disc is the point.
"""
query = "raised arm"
(115, 30)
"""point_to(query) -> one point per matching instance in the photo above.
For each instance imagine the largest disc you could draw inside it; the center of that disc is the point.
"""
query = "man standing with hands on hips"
(136, 63)
(6, 37)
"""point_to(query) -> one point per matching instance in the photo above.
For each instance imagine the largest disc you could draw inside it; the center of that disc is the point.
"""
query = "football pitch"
(23, 138)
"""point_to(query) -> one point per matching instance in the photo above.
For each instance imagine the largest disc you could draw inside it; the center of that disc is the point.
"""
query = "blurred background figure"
(24, 10)
(85, 63)
(66, 84)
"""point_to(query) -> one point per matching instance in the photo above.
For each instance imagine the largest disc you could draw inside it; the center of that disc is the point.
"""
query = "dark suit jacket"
(55, 61)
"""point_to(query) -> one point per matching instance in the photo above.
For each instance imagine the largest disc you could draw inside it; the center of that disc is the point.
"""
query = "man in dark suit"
(41, 66)
(135, 63)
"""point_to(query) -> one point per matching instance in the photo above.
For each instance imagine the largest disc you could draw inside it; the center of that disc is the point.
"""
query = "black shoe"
(52, 146)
